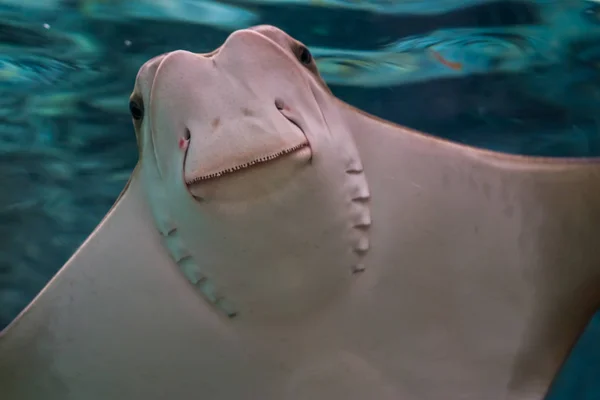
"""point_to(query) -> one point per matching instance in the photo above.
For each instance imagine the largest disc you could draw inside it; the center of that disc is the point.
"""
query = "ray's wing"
(501, 247)
(119, 321)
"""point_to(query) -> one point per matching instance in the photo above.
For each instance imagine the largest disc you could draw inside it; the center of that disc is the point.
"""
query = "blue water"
(514, 76)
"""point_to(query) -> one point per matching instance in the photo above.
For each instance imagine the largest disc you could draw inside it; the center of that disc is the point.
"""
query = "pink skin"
(183, 143)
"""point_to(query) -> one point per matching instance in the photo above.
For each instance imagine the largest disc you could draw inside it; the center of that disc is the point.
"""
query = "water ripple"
(455, 52)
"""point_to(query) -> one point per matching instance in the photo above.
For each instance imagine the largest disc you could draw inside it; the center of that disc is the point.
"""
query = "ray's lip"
(264, 159)
(258, 161)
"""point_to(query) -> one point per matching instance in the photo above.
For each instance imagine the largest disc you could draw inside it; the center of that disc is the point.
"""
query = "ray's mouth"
(303, 148)
(256, 162)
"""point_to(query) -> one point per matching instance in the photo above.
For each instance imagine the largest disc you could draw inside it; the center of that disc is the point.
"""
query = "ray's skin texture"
(276, 243)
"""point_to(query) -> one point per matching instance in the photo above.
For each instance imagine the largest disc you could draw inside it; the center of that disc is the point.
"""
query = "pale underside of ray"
(483, 271)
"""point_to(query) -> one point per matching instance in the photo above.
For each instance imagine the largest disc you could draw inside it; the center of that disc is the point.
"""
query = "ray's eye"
(137, 111)
(304, 56)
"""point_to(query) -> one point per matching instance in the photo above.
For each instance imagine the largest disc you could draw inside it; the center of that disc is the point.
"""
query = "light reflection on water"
(514, 76)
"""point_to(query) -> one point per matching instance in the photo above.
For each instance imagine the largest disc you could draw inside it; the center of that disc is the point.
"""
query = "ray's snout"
(228, 116)
(250, 139)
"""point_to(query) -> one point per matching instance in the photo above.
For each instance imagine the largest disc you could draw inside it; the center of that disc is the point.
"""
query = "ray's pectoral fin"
(121, 286)
(341, 375)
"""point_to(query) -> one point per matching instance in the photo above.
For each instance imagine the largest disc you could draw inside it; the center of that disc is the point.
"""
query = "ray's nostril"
(279, 104)
(185, 140)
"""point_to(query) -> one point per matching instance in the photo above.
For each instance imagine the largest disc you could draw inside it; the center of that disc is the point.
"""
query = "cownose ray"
(274, 242)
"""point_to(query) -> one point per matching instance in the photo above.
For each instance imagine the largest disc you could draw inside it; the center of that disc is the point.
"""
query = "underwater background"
(514, 76)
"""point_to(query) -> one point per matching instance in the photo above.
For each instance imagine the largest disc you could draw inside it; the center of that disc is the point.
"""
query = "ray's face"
(251, 174)
(245, 113)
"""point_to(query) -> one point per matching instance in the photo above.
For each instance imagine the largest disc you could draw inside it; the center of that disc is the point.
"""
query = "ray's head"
(247, 112)
(251, 173)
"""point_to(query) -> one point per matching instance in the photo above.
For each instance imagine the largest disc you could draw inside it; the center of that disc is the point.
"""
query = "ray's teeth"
(249, 164)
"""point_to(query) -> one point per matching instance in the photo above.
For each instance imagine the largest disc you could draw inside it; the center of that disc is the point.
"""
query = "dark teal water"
(514, 76)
